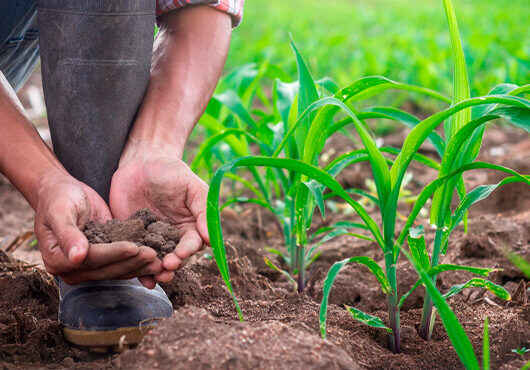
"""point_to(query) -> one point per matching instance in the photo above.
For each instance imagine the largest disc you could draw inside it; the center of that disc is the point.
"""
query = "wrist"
(46, 177)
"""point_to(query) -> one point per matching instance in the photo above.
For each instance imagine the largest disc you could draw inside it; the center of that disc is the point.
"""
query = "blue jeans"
(19, 40)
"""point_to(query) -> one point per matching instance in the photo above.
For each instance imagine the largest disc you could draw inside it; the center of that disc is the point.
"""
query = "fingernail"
(75, 251)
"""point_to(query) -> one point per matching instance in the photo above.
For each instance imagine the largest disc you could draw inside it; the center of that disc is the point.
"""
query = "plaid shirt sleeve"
(232, 7)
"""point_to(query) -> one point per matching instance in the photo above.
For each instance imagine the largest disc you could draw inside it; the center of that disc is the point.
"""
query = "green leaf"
(269, 263)
(205, 148)
(307, 95)
(259, 202)
(418, 249)
(449, 267)
(406, 295)
(230, 99)
(332, 274)
(316, 191)
(460, 77)
(497, 290)
(520, 263)
(486, 346)
(410, 121)
(367, 87)
(519, 117)
(456, 333)
(428, 190)
(367, 319)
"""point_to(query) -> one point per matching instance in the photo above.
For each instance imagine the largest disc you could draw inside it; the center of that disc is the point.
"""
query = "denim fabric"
(19, 40)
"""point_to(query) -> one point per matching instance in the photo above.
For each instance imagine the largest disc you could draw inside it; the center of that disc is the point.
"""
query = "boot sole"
(106, 338)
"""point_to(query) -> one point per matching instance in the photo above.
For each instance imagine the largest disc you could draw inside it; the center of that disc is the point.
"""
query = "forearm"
(24, 158)
(190, 52)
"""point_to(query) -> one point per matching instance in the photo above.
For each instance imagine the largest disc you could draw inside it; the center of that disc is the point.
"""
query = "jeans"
(19, 40)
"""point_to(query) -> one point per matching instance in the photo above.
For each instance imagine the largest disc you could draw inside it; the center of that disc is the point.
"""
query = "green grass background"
(406, 40)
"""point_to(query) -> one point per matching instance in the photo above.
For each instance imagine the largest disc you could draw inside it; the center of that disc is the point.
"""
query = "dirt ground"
(281, 329)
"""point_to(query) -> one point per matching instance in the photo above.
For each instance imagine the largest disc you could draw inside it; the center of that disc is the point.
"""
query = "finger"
(197, 206)
(190, 243)
(107, 253)
(115, 270)
(165, 276)
(63, 223)
(147, 281)
(171, 262)
(53, 256)
(150, 269)
(203, 228)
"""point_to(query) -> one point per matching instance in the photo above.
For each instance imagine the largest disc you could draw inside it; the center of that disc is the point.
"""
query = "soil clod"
(142, 228)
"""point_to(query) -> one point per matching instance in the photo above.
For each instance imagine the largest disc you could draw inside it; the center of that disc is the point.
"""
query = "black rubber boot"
(96, 58)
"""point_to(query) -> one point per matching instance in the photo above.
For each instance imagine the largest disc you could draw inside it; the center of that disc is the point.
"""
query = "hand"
(168, 187)
(63, 207)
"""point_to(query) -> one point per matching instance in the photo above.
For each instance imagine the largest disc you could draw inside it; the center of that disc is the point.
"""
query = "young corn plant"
(311, 120)
(297, 127)
(463, 139)
(458, 153)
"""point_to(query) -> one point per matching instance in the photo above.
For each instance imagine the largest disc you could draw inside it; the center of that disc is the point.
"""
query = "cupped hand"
(168, 187)
(64, 206)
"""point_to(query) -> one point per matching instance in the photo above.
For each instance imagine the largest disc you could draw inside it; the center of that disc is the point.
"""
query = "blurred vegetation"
(401, 39)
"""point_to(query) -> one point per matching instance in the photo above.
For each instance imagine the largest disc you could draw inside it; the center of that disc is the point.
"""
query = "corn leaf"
(367, 87)
(520, 263)
(410, 121)
(456, 333)
(418, 249)
(497, 290)
(269, 263)
(367, 319)
(306, 96)
(486, 365)
(232, 101)
(330, 279)
(460, 77)
(205, 148)
(435, 270)
(428, 190)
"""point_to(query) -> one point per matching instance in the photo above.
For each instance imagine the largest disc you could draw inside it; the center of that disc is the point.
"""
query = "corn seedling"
(458, 152)
(308, 119)
(463, 139)
(298, 127)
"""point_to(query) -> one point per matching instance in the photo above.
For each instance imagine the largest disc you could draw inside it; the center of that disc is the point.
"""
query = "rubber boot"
(96, 58)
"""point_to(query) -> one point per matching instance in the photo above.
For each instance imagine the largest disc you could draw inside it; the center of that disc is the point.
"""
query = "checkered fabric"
(232, 7)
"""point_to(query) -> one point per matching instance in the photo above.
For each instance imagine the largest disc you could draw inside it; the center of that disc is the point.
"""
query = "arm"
(189, 56)
(62, 204)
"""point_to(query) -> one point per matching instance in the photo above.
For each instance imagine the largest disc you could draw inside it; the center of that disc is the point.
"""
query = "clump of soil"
(142, 228)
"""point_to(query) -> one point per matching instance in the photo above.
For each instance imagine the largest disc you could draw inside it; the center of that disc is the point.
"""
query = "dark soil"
(281, 328)
(142, 228)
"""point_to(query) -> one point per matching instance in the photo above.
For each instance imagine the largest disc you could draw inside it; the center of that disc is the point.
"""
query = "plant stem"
(427, 317)
(393, 315)
(301, 268)
(394, 339)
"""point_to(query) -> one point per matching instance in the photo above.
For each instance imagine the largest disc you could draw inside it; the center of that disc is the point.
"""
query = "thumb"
(71, 239)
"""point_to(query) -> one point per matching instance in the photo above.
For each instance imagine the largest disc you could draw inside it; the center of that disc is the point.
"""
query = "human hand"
(64, 206)
(168, 187)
